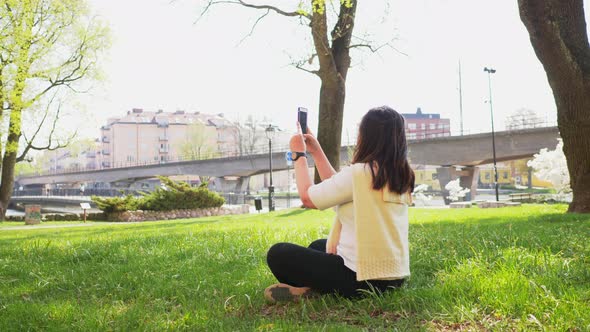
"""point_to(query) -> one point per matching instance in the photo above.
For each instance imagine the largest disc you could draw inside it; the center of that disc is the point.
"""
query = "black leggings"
(325, 273)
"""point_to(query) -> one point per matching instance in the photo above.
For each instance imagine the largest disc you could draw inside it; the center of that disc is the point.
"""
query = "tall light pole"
(460, 99)
(491, 71)
(270, 133)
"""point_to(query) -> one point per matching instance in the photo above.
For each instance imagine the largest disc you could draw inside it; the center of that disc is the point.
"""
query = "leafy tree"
(557, 31)
(46, 45)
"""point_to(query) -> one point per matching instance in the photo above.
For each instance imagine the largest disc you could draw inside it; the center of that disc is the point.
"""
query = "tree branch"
(275, 9)
(49, 147)
(319, 31)
(374, 49)
(254, 26)
(211, 3)
(300, 67)
(300, 64)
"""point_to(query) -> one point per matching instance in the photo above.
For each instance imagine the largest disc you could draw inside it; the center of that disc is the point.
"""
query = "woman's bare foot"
(286, 293)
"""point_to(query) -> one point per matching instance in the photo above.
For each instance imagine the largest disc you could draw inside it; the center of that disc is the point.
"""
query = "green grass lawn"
(524, 268)
(6, 225)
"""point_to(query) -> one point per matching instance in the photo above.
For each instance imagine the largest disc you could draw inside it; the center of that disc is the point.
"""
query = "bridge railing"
(250, 151)
(412, 135)
(74, 192)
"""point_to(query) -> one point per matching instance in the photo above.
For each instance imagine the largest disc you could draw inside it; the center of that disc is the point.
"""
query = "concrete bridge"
(468, 151)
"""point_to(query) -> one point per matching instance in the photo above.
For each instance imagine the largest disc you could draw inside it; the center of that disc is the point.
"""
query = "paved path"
(32, 227)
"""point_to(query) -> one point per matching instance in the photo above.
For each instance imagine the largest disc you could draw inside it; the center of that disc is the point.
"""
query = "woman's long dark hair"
(382, 143)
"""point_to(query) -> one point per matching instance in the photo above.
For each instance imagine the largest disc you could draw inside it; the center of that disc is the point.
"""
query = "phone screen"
(302, 118)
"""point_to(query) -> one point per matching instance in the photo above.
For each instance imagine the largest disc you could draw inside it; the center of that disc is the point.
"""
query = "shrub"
(61, 217)
(14, 218)
(116, 204)
(552, 166)
(456, 192)
(172, 195)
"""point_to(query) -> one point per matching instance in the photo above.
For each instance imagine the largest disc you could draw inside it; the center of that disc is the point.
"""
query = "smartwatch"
(297, 155)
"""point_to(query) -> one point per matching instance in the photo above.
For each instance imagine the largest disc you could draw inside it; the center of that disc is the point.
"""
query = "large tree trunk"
(557, 30)
(8, 165)
(334, 62)
(332, 96)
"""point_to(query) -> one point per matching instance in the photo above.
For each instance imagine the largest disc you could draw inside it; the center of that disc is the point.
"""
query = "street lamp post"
(491, 71)
(270, 132)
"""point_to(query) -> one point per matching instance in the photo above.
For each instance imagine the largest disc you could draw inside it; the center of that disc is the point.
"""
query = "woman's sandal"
(286, 293)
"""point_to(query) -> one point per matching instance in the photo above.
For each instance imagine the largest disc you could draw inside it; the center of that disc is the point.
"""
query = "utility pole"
(460, 99)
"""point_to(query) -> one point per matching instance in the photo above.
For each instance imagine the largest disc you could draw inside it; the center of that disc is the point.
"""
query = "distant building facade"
(79, 156)
(426, 125)
(142, 137)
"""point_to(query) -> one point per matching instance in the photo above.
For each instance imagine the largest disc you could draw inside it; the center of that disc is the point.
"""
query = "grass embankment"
(517, 268)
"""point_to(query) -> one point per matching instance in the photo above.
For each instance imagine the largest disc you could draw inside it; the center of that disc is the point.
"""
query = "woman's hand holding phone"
(297, 142)
(312, 143)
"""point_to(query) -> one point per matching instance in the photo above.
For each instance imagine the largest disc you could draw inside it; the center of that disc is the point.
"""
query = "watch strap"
(297, 155)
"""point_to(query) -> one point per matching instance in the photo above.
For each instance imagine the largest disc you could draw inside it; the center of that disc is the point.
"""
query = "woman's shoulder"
(360, 168)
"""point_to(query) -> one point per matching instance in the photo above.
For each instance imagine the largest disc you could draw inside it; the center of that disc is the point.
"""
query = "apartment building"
(426, 125)
(142, 137)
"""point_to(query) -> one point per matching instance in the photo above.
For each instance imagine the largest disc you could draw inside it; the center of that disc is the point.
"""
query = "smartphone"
(302, 118)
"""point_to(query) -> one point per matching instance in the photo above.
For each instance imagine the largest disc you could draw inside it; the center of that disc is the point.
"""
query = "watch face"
(289, 156)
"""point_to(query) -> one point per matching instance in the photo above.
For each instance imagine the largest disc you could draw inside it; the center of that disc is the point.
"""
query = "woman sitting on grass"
(367, 247)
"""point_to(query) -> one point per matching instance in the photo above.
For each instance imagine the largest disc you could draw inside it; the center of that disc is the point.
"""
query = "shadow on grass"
(103, 228)
(292, 213)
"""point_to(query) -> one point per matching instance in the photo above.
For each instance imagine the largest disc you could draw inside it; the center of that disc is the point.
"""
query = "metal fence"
(282, 201)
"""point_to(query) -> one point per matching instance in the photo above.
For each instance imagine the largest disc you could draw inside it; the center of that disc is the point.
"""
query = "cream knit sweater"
(381, 219)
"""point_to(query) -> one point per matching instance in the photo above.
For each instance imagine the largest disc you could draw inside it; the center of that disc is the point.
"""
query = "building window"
(412, 126)
(505, 175)
(412, 135)
(424, 126)
(440, 126)
(432, 126)
(487, 176)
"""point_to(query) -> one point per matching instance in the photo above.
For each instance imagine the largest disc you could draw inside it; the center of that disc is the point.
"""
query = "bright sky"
(161, 59)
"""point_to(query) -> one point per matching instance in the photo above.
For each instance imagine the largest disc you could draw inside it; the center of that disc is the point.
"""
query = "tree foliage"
(45, 46)
(551, 165)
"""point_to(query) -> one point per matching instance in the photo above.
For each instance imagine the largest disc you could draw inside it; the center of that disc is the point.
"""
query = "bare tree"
(250, 135)
(45, 45)
(332, 47)
(524, 118)
(196, 144)
(557, 31)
